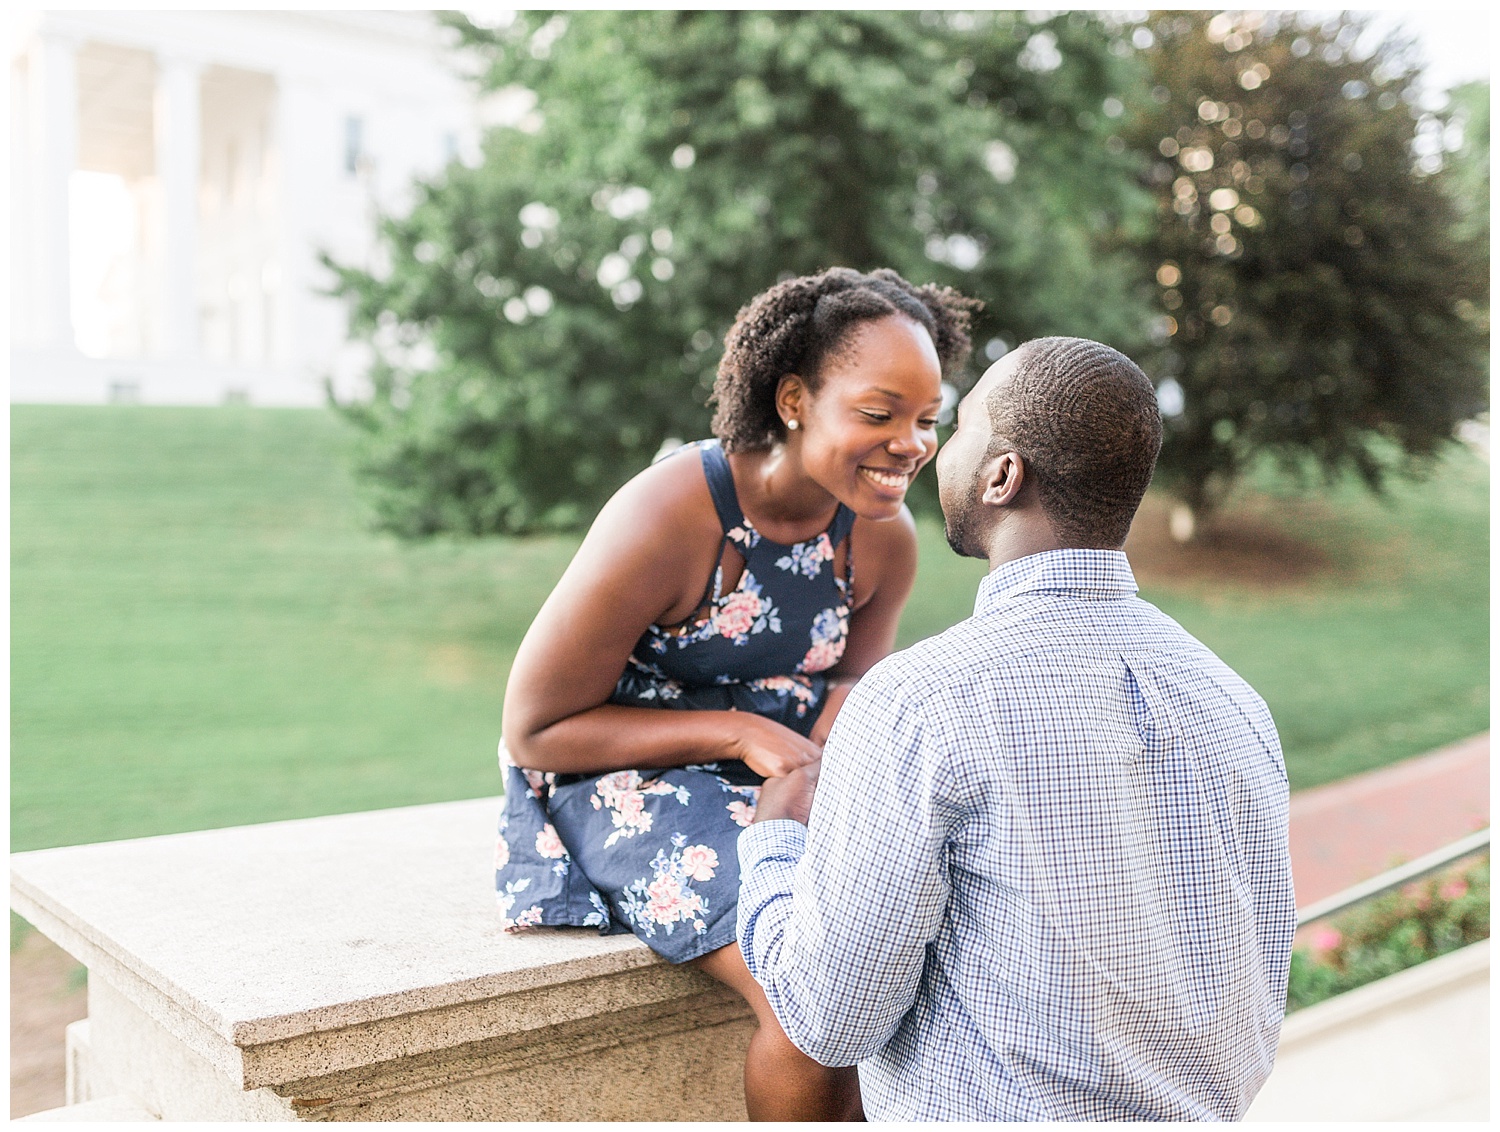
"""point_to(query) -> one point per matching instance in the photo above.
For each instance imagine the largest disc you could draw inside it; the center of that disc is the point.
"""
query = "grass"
(203, 632)
(1381, 651)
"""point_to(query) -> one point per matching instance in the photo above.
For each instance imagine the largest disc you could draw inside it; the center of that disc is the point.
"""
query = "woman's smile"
(892, 482)
(870, 425)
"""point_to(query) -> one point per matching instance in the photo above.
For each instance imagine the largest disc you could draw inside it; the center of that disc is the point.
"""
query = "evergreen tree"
(1314, 301)
(549, 317)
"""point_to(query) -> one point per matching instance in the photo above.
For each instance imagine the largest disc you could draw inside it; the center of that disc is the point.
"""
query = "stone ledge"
(349, 960)
(1411, 1046)
(110, 1109)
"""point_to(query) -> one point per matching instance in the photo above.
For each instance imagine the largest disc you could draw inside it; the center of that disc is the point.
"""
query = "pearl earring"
(793, 425)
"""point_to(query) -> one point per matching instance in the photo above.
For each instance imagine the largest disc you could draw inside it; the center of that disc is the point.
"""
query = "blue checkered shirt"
(1045, 876)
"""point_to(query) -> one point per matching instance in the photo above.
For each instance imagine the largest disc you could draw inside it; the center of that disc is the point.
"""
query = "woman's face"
(872, 423)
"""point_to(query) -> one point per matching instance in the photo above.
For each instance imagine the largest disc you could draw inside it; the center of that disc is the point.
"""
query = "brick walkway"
(1351, 830)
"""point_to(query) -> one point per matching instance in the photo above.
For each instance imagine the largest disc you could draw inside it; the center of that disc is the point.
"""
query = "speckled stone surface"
(355, 957)
(94, 1112)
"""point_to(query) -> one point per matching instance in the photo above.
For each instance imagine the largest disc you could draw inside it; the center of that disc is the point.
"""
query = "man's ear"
(1002, 480)
(791, 397)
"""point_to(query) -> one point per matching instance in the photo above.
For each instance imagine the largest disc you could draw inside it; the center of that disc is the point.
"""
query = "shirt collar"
(1088, 575)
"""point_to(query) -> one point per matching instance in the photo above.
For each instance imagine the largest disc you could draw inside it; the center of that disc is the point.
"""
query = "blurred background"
(331, 331)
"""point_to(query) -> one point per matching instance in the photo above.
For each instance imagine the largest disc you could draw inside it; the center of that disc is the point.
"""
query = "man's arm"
(834, 921)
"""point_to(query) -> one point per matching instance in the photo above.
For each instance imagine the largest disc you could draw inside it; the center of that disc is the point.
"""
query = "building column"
(179, 162)
(52, 112)
(299, 158)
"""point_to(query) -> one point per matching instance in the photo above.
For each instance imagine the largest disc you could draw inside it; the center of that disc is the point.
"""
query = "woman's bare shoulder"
(662, 515)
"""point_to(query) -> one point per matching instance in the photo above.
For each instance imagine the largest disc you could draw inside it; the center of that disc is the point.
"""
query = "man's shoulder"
(937, 662)
(1026, 630)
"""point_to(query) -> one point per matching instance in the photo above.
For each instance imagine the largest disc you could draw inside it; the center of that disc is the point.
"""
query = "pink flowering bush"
(1391, 933)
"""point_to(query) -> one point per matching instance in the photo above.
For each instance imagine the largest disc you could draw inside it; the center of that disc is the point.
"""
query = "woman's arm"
(885, 565)
(644, 560)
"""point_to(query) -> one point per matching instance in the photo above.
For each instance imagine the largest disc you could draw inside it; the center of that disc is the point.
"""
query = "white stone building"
(175, 175)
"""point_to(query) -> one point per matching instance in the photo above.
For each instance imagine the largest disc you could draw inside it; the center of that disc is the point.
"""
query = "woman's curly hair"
(797, 325)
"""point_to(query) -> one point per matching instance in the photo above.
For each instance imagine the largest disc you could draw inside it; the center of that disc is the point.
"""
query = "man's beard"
(960, 524)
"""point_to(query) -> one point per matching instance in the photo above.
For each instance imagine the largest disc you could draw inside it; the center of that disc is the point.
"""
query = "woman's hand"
(769, 748)
(833, 699)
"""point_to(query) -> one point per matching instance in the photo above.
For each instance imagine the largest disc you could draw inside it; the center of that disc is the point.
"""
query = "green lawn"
(203, 632)
(1383, 656)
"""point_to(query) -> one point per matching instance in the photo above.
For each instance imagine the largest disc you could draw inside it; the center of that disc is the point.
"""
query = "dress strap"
(843, 523)
(721, 484)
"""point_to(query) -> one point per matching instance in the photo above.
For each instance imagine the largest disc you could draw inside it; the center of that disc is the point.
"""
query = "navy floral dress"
(654, 851)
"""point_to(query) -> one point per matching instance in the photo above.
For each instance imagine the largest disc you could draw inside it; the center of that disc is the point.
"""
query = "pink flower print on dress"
(829, 631)
(664, 902)
(625, 794)
(612, 787)
(738, 615)
(822, 656)
(798, 687)
(529, 918)
(502, 852)
(549, 845)
(665, 887)
(745, 536)
(700, 861)
(535, 779)
(667, 898)
(506, 899)
(630, 817)
(807, 558)
(743, 813)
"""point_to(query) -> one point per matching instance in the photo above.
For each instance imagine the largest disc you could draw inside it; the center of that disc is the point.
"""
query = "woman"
(720, 584)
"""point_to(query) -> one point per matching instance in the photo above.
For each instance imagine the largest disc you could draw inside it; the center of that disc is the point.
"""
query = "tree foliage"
(1468, 118)
(1313, 299)
(549, 317)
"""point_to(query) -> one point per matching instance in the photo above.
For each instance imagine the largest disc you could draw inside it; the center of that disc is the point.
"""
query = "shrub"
(1318, 298)
(1389, 934)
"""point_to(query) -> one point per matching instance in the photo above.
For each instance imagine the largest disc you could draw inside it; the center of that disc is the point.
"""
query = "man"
(1045, 872)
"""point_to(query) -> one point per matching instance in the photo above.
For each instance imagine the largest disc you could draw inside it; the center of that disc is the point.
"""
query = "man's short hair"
(1084, 419)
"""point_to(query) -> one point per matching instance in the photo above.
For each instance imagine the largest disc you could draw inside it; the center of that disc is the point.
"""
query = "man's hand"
(789, 796)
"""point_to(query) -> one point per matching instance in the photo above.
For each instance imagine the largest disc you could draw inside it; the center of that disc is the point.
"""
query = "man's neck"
(1010, 541)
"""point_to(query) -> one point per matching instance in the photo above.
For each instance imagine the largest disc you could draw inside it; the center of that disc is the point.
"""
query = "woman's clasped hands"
(769, 748)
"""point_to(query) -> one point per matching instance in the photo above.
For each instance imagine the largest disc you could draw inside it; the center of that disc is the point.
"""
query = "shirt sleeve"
(834, 921)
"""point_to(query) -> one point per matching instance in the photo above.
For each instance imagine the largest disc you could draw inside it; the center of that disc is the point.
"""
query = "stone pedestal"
(353, 968)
